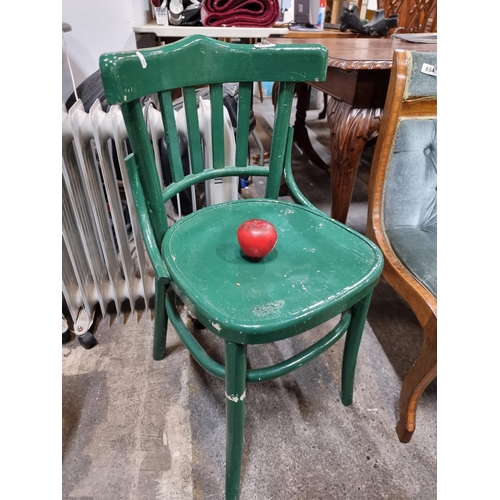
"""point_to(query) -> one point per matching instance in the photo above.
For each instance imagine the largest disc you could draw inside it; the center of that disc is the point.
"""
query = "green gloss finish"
(170, 191)
(255, 374)
(198, 353)
(190, 106)
(161, 318)
(236, 361)
(199, 60)
(318, 269)
(148, 234)
(296, 193)
(171, 136)
(294, 362)
(217, 113)
(351, 348)
(143, 155)
(162, 278)
(280, 138)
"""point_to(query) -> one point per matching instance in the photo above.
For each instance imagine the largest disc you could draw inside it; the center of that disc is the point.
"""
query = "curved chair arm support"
(147, 229)
(212, 173)
(257, 374)
(289, 179)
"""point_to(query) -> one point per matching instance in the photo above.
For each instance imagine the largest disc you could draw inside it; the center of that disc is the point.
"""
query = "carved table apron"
(357, 83)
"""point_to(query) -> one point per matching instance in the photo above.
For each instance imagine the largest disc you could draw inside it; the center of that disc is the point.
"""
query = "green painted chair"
(319, 268)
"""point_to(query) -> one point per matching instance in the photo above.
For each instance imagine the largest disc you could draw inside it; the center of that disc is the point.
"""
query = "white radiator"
(103, 259)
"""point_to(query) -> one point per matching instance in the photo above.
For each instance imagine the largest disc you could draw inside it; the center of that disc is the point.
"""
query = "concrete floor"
(135, 428)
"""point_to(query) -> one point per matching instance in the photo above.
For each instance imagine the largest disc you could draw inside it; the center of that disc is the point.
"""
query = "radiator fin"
(103, 255)
(104, 259)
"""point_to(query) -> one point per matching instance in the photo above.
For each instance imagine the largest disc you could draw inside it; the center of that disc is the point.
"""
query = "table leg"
(300, 135)
(350, 129)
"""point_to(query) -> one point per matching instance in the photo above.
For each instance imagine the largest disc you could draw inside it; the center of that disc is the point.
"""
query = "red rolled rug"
(240, 13)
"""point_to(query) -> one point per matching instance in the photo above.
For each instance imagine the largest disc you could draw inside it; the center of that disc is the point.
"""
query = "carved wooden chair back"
(415, 16)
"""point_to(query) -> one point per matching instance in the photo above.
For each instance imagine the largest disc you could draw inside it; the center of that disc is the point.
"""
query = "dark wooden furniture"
(402, 212)
(357, 82)
(414, 16)
(304, 90)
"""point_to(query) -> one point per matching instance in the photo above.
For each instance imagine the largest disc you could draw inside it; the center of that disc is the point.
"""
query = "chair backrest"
(403, 178)
(415, 16)
(410, 192)
(190, 63)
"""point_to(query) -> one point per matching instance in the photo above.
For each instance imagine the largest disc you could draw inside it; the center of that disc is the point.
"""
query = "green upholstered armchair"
(402, 209)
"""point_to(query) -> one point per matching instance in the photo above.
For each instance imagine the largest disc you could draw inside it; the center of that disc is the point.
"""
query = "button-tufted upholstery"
(402, 210)
(410, 199)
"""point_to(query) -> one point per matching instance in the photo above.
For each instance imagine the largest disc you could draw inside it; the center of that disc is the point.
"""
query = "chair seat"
(317, 269)
(416, 247)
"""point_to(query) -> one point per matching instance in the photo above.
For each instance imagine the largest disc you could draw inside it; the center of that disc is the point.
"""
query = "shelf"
(226, 32)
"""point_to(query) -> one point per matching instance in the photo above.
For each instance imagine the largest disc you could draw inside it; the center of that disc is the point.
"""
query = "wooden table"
(357, 83)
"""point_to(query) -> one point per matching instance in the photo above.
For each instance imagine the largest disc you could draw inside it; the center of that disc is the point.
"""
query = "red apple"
(257, 237)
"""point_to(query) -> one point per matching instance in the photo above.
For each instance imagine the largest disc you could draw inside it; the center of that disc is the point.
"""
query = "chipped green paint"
(318, 269)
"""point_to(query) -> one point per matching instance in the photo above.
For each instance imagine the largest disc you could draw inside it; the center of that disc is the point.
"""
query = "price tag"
(428, 69)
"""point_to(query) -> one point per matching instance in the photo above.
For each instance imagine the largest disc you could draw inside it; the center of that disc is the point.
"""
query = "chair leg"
(351, 348)
(236, 363)
(417, 379)
(160, 325)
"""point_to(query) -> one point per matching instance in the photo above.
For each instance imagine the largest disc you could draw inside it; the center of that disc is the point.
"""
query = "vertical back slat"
(193, 129)
(243, 123)
(217, 114)
(141, 145)
(171, 135)
(279, 140)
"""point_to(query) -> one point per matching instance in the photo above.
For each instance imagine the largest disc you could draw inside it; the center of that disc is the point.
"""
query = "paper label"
(263, 44)
(161, 15)
(428, 69)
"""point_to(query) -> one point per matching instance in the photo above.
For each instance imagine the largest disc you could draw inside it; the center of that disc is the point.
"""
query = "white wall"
(98, 26)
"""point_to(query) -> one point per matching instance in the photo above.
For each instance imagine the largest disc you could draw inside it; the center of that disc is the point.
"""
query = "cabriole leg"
(417, 379)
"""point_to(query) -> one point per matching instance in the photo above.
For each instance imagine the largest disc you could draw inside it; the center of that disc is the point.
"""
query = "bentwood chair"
(402, 210)
(319, 268)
